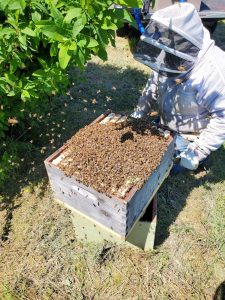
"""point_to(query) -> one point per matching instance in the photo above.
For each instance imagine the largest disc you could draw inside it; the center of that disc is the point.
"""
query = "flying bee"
(13, 121)
(181, 68)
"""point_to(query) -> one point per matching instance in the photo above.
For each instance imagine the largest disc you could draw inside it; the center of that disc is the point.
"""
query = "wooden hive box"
(114, 214)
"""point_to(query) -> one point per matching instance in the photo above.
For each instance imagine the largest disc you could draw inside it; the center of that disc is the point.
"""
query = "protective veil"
(165, 51)
(177, 46)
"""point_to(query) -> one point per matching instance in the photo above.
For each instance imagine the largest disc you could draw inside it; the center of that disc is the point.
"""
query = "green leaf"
(23, 42)
(11, 94)
(102, 3)
(43, 63)
(28, 31)
(129, 18)
(79, 24)
(112, 36)
(87, 41)
(7, 31)
(41, 7)
(17, 4)
(81, 43)
(73, 46)
(3, 4)
(91, 42)
(13, 65)
(36, 16)
(130, 3)
(42, 23)
(25, 95)
(3, 86)
(72, 13)
(93, 12)
(53, 49)
(56, 14)
(103, 36)
(83, 3)
(81, 57)
(51, 32)
(102, 54)
(5, 156)
(10, 79)
(3, 90)
(39, 73)
(64, 56)
(108, 24)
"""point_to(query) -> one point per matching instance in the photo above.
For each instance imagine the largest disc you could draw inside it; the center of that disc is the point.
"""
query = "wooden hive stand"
(141, 236)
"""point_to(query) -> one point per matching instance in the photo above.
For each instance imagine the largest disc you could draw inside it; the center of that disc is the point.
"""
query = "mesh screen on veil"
(165, 36)
(164, 50)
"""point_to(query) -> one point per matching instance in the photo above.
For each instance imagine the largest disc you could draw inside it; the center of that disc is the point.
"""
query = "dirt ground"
(40, 257)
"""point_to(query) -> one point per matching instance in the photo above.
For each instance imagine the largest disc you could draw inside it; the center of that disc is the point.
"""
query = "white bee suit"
(191, 95)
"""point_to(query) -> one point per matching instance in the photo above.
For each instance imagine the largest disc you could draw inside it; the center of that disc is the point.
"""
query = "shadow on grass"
(173, 194)
(220, 292)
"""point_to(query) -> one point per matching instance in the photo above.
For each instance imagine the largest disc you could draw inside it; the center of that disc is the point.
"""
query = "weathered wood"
(108, 211)
(101, 117)
(117, 214)
(94, 222)
(142, 235)
(107, 118)
(116, 118)
(113, 118)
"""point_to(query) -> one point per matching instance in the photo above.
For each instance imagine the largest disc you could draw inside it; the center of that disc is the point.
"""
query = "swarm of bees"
(113, 157)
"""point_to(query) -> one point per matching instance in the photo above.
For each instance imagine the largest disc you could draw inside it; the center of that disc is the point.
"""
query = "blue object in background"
(138, 20)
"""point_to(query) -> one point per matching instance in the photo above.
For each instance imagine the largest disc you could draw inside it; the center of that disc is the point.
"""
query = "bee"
(13, 121)
(181, 68)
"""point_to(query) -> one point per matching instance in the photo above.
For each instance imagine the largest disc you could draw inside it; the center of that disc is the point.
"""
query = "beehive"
(116, 214)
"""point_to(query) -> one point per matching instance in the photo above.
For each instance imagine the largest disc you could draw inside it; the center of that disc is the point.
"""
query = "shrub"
(38, 40)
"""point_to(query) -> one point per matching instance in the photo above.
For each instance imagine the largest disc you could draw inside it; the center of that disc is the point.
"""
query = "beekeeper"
(187, 82)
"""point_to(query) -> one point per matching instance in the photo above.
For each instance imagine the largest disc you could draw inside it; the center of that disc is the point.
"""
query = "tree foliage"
(38, 40)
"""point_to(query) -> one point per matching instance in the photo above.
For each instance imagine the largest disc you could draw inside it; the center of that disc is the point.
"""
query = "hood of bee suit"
(174, 40)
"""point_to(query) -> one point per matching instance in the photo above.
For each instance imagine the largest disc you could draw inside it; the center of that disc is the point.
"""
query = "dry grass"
(40, 257)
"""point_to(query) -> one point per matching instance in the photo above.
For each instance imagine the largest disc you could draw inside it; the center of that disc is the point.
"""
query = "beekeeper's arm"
(149, 95)
(212, 137)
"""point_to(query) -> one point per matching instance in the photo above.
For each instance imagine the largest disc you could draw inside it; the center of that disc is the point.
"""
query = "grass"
(40, 257)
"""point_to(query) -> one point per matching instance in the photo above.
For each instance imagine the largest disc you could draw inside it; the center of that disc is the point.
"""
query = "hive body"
(115, 214)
